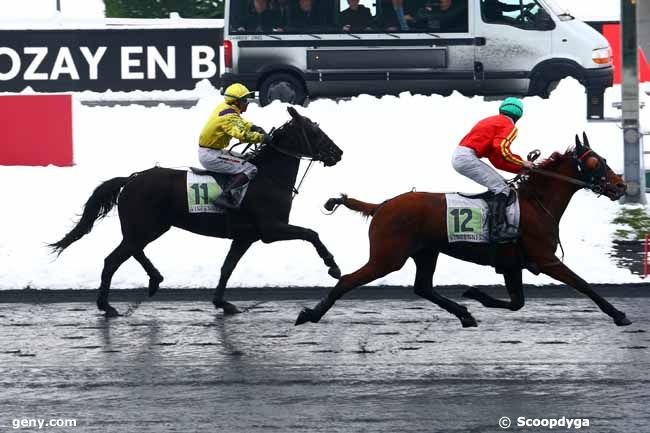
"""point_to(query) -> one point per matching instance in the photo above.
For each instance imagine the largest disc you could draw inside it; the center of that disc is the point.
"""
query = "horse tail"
(367, 209)
(97, 207)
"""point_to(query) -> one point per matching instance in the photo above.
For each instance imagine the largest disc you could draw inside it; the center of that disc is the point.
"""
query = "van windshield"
(558, 10)
(348, 16)
(525, 14)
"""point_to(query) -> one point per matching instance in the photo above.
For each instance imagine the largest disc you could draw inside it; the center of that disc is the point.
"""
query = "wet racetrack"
(391, 365)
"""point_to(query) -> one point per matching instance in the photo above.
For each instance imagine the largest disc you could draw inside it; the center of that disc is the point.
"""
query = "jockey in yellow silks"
(226, 123)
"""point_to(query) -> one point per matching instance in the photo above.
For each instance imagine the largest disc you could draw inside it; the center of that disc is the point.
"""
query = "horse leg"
(284, 232)
(562, 273)
(390, 257)
(238, 248)
(364, 275)
(155, 278)
(425, 262)
(112, 262)
(514, 285)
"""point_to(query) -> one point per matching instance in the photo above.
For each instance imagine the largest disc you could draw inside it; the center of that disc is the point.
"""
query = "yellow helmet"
(237, 92)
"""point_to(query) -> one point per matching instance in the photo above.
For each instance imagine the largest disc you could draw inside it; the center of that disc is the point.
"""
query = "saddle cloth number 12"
(465, 223)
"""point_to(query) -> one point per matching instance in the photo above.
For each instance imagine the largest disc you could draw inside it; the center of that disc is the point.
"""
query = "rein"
(562, 177)
(531, 157)
(310, 149)
(555, 221)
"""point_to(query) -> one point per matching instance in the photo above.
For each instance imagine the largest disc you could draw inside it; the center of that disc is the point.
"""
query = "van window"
(343, 16)
(283, 16)
(525, 14)
(437, 16)
(357, 16)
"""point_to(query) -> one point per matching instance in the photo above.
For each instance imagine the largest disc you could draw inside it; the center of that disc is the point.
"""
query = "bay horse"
(150, 202)
(413, 225)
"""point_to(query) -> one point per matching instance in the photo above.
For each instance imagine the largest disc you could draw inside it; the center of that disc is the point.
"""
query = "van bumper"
(600, 78)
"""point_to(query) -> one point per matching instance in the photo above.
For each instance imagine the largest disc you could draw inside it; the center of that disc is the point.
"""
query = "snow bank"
(46, 9)
(391, 145)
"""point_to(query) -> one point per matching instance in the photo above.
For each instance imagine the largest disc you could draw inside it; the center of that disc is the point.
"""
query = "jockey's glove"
(267, 139)
(259, 129)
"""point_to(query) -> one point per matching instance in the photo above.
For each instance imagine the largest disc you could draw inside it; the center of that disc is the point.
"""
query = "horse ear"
(578, 144)
(294, 114)
(585, 140)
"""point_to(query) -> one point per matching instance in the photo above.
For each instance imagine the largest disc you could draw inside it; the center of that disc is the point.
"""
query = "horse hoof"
(334, 272)
(468, 321)
(154, 284)
(110, 312)
(622, 321)
(306, 315)
(331, 204)
(230, 309)
(469, 294)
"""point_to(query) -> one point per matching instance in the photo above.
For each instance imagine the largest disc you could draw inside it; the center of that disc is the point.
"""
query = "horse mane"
(555, 158)
(549, 163)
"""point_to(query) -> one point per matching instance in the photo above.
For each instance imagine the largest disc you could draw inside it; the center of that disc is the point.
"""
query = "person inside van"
(305, 16)
(281, 11)
(260, 19)
(493, 11)
(429, 16)
(328, 11)
(395, 16)
(443, 15)
(356, 17)
(415, 5)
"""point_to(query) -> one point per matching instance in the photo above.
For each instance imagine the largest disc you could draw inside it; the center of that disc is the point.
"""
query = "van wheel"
(551, 86)
(282, 87)
(543, 88)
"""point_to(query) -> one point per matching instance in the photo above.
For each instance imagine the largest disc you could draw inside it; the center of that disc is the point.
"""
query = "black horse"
(152, 201)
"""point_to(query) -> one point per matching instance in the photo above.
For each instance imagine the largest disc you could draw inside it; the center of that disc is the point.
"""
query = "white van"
(293, 49)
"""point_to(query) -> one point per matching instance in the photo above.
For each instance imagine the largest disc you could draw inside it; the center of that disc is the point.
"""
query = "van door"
(517, 36)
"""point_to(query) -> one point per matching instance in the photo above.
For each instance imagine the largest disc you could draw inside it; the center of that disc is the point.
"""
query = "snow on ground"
(44, 9)
(391, 145)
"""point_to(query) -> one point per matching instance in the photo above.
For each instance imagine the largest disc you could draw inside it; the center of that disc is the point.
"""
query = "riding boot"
(498, 215)
(226, 198)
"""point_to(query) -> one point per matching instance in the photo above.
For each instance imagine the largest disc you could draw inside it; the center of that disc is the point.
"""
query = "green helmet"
(512, 107)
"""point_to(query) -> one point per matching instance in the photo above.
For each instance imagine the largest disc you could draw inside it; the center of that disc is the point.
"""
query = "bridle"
(594, 180)
(305, 143)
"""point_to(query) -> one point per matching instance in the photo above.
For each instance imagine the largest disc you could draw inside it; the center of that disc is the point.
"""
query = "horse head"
(302, 138)
(594, 171)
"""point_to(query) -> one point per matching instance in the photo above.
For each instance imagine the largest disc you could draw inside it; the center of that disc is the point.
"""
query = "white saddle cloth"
(467, 218)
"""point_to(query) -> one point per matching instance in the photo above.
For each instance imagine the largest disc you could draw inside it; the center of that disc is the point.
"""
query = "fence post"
(645, 256)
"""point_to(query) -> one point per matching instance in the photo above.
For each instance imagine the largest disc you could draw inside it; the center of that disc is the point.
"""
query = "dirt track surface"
(371, 365)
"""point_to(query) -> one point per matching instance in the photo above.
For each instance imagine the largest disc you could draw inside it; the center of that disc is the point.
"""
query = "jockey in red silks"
(491, 138)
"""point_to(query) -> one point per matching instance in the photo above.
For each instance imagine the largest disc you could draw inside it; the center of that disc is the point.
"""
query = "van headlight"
(602, 56)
